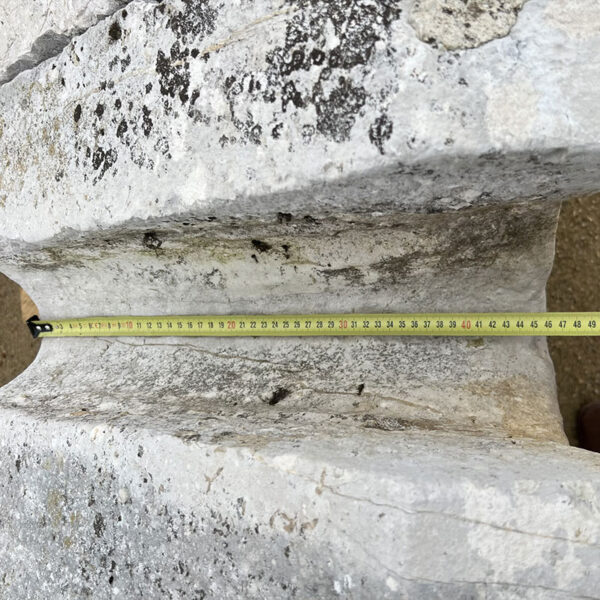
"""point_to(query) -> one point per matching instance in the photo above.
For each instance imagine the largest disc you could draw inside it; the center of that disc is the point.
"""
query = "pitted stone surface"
(33, 30)
(460, 24)
(237, 107)
(271, 156)
(137, 513)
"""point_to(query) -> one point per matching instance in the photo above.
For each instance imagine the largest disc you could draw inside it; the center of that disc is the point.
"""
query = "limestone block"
(33, 30)
(251, 108)
(294, 156)
(100, 508)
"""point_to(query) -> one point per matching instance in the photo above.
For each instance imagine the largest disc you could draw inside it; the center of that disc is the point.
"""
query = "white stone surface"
(34, 30)
(460, 24)
(291, 514)
(203, 110)
(294, 156)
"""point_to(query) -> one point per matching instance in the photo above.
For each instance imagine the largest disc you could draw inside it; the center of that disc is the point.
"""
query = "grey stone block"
(199, 157)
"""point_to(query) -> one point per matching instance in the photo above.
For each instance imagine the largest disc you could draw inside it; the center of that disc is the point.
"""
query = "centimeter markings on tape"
(399, 324)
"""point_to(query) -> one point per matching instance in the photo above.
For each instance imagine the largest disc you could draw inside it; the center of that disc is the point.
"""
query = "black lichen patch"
(174, 72)
(99, 110)
(151, 240)
(261, 246)
(146, 121)
(122, 128)
(99, 525)
(77, 113)
(125, 62)
(102, 160)
(358, 26)
(381, 131)
(278, 395)
(336, 113)
(360, 389)
(196, 20)
(115, 32)
(276, 131)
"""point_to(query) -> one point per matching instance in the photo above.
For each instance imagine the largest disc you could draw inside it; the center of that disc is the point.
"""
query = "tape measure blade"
(338, 324)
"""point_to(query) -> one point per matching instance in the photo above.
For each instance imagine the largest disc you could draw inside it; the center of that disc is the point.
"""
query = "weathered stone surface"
(460, 24)
(198, 107)
(199, 157)
(101, 508)
(486, 259)
(32, 31)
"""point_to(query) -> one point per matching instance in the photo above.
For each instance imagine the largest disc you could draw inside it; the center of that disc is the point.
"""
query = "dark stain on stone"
(261, 246)
(384, 423)
(125, 62)
(118, 103)
(115, 32)
(397, 268)
(99, 110)
(336, 113)
(254, 258)
(278, 395)
(358, 27)
(174, 72)
(286, 250)
(151, 240)
(360, 389)
(195, 53)
(196, 20)
(276, 131)
(146, 121)
(381, 131)
(284, 217)
(353, 275)
(148, 88)
(99, 525)
(18, 465)
(102, 160)
(77, 113)
(122, 128)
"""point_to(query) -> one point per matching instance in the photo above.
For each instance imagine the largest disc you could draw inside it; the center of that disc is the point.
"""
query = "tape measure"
(399, 324)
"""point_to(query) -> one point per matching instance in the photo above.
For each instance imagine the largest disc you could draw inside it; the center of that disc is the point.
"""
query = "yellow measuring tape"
(440, 324)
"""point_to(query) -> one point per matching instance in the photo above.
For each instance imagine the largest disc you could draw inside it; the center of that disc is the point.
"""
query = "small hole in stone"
(278, 395)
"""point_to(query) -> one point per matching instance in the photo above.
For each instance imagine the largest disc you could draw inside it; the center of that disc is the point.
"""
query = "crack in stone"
(203, 351)
(321, 485)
